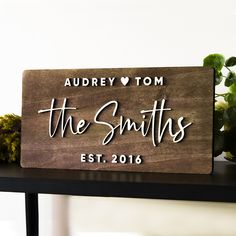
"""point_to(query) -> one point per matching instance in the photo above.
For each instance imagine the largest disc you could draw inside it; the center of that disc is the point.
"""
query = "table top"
(218, 186)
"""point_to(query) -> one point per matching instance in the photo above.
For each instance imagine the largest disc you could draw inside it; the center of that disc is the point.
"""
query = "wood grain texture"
(187, 90)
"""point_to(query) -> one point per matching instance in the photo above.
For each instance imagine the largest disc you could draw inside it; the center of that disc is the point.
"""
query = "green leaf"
(215, 61)
(230, 79)
(232, 89)
(229, 116)
(218, 120)
(231, 99)
(218, 77)
(231, 61)
(229, 141)
(218, 143)
(219, 139)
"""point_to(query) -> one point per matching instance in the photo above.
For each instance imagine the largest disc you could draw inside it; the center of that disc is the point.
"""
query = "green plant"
(10, 128)
(225, 105)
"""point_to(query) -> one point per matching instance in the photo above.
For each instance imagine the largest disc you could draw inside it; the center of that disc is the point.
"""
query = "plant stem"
(227, 68)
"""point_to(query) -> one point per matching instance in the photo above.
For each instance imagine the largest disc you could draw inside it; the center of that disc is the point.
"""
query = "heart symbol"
(124, 80)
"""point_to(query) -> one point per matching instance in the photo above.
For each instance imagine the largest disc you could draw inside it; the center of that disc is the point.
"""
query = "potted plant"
(10, 127)
(225, 105)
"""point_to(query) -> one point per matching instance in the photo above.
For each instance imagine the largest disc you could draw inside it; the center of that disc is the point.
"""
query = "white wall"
(105, 33)
(12, 217)
(139, 217)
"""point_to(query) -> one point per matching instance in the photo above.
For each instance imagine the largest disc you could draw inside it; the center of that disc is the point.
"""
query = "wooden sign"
(133, 119)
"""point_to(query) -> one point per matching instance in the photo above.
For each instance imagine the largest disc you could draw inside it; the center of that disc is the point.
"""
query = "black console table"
(219, 186)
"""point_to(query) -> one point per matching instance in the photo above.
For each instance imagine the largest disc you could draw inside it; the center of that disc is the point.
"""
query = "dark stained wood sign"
(132, 119)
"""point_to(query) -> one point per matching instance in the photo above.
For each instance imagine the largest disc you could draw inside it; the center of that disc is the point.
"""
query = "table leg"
(31, 211)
